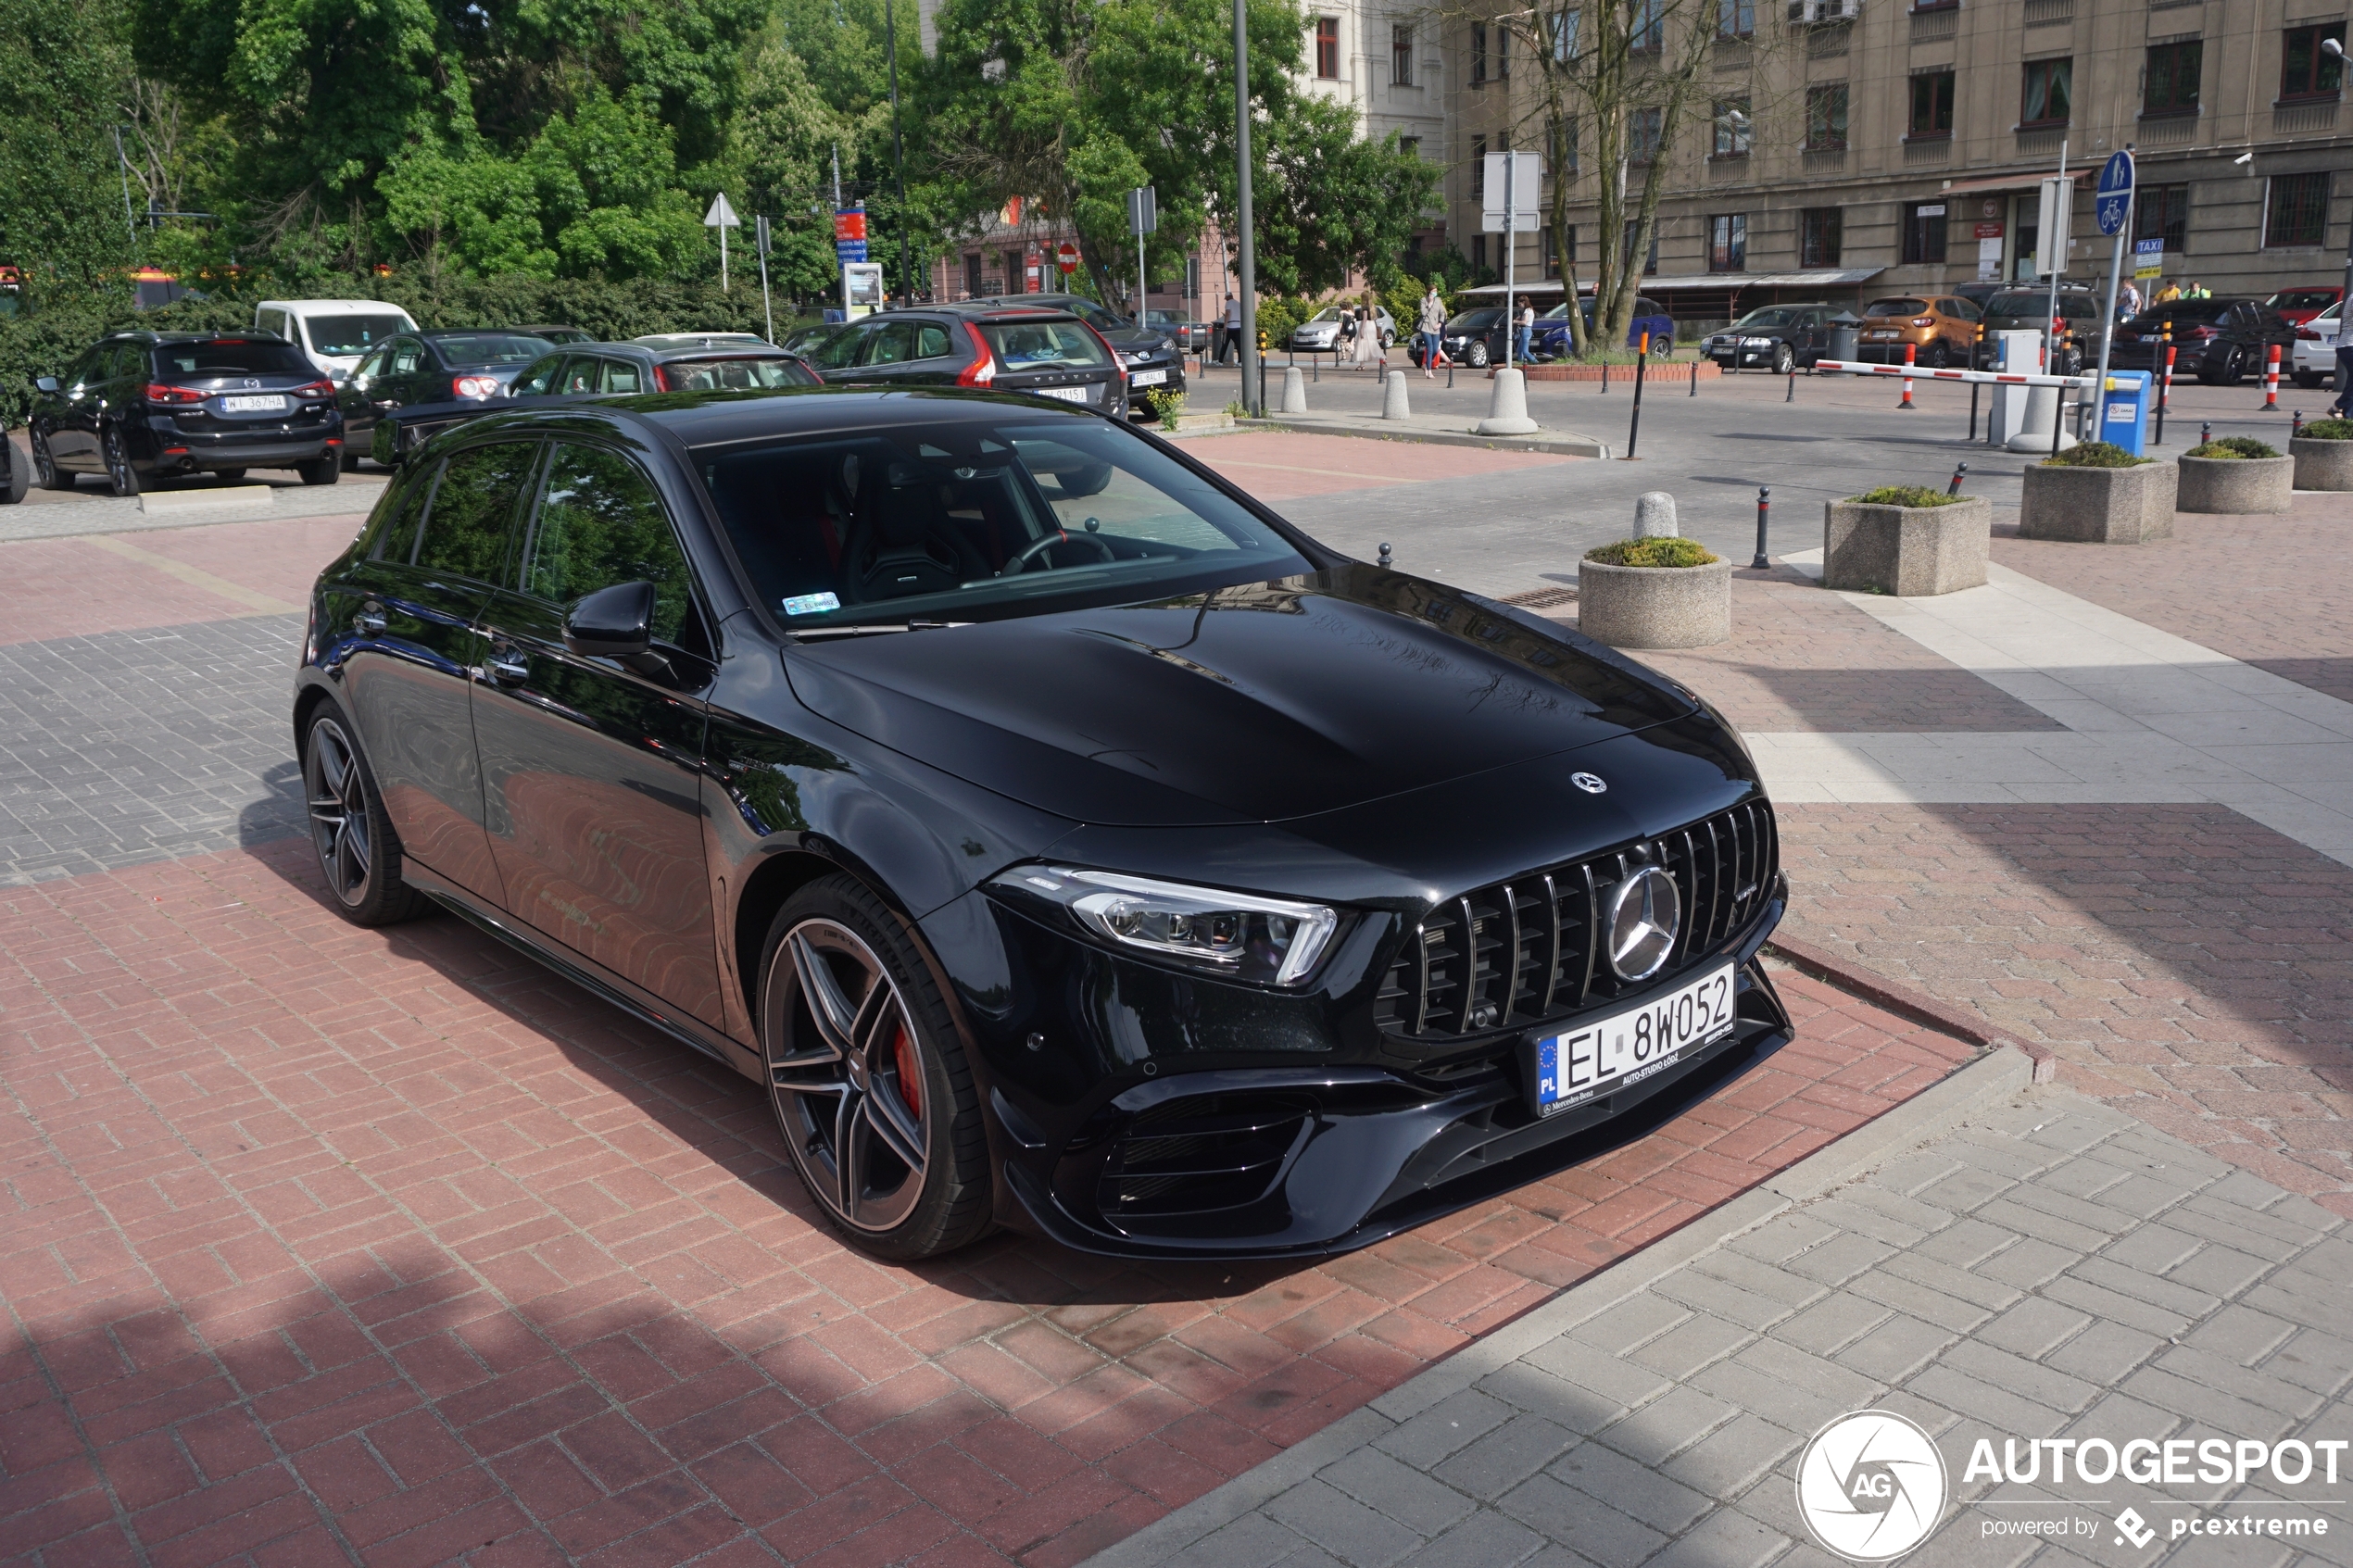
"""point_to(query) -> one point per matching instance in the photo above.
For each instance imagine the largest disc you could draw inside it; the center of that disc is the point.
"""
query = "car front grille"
(1201, 1153)
(1528, 950)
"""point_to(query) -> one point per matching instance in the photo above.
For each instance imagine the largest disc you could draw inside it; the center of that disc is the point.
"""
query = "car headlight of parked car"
(1757, 343)
(1242, 935)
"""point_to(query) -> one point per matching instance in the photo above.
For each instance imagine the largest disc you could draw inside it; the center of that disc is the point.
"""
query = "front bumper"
(1171, 376)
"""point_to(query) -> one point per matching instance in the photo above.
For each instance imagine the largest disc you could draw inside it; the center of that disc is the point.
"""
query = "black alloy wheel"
(2234, 366)
(1785, 359)
(357, 852)
(867, 1078)
(121, 478)
(45, 471)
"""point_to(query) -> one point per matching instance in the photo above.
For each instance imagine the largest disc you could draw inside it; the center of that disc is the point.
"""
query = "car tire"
(230, 475)
(1785, 359)
(350, 460)
(18, 480)
(122, 480)
(2308, 380)
(1388, 342)
(321, 470)
(45, 471)
(357, 852)
(899, 1176)
(2234, 368)
(1940, 355)
(1475, 355)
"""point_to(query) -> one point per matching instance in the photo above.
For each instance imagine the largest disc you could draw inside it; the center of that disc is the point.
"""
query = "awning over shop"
(1713, 282)
(2026, 180)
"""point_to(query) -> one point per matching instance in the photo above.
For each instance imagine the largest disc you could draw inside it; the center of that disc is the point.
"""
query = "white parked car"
(335, 334)
(1320, 333)
(2316, 350)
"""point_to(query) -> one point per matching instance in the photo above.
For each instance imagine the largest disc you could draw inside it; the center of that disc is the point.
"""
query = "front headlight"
(1241, 934)
(1757, 343)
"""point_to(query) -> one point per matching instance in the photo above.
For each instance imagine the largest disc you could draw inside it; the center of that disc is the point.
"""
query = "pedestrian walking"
(1522, 339)
(1433, 330)
(2128, 301)
(1230, 330)
(1367, 337)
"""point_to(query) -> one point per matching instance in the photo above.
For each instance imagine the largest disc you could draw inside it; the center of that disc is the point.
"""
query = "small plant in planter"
(2098, 493)
(1654, 593)
(2323, 454)
(2237, 473)
(1906, 539)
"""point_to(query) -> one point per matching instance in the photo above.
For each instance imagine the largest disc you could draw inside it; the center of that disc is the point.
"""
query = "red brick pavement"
(324, 1245)
(78, 586)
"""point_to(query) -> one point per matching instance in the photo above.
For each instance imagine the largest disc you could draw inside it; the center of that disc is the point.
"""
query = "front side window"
(465, 533)
(1735, 18)
(1825, 117)
(1401, 55)
(1327, 48)
(1818, 237)
(2162, 212)
(580, 375)
(980, 520)
(2296, 210)
(1733, 128)
(536, 382)
(1728, 243)
(601, 524)
(2169, 83)
(1932, 105)
(2049, 94)
(2307, 70)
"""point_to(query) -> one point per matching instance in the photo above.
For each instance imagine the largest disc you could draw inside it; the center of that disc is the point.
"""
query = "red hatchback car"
(2300, 306)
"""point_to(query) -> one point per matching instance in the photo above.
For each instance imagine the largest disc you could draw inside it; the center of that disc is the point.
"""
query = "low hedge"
(1653, 552)
(2328, 430)
(2096, 454)
(2231, 448)
(1905, 496)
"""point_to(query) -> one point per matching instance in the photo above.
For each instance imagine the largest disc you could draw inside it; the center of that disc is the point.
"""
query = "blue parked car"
(1551, 338)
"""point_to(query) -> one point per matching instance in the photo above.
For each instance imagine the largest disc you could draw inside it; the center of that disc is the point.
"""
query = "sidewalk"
(2049, 1268)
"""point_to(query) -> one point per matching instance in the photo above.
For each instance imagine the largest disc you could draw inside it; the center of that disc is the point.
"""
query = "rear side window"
(491, 348)
(540, 380)
(931, 341)
(735, 375)
(350, 334)
(465, 533)
(600, 524)
(621, 375)
(1041, 345)
(229, 356)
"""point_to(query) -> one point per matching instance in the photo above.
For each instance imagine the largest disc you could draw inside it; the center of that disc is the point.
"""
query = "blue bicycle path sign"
(2114, 198)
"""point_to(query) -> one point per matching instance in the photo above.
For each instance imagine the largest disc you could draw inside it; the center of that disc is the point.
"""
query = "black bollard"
(1791, 395)
(1694, 390)
(1604, 375)
(1634, 426)
(2205, 432)
(1384, 555)
(1972, 410)
(2296, 426)
(1959, 471)
(1764, 509)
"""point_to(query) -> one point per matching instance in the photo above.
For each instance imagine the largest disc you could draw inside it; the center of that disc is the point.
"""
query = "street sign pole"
(2116, 217)
(1511, 233)
(1253, 403)
(2058, 208)
(723, 218)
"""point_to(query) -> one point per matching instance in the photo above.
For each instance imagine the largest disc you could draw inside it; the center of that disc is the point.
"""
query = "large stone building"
(1897, 147)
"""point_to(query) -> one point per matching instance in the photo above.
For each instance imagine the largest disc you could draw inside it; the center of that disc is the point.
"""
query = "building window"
(1478, 253)
(972, 274)
(2169, 84)
(1932, 105)
(1551, 251)
(1327, 48)
(1479, 53)
(1826, 118)
(1728, 243)
(1735, 18)
(2162, 212)
(1642, 135)
(1733, 128)
(1817, 237)
(1564, 154)
(1479, 169)
(2307, 70)
(1410, 146)
(2049, 92)
(1503, 52)
(1401, 55)
(1646, 31)
(1565, 26)
(1924, 232)
(2295, 210)
(1012, 272)
(1650, 263)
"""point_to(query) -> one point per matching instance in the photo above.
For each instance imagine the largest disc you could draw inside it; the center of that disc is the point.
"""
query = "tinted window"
(1039, 346)
(404, 510)
(2304, 299)
(540, 380)
(350, 334)
(465, 533)
(840, 351)
(373, 364)
(580, 374)
(621, 375)
(893, 343)
(1886, 307)
(490, 348)
(127, 362)
(744, 373)
(229, 356)
(931, 341)
(601, 523)
(1773, 316)
(2184, 310)
(407, 354)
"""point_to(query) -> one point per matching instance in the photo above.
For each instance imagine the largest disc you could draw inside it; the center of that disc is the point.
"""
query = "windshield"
(491, 348)
(977, 521)
(1883, 307)
(339, 335)
(1475, 320)
(1778, 316)
(1041, 345)
(735, 375)
(230, 356)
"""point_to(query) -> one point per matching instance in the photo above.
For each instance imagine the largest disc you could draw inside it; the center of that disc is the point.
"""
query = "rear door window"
(396, 540)
(580, 374)
(893, 343)
(842, 349)
(465, 534)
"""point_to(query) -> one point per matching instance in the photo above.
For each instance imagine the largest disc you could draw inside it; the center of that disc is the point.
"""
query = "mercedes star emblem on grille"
(1644, 914)
(1591, 783)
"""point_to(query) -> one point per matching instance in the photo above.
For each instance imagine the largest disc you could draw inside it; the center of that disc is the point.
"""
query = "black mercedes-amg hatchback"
(1061, 839)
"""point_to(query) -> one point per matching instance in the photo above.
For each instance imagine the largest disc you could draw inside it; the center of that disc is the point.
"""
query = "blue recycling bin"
(2124, 412)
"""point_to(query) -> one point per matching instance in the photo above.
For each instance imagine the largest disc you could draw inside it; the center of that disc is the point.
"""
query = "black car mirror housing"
(615, 622)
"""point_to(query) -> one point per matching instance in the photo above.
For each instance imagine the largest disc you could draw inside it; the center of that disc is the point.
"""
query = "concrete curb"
(1564, 444)
(1932, 1113)
(1916, 1006)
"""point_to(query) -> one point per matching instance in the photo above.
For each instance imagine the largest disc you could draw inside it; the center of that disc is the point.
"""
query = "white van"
(334, 332)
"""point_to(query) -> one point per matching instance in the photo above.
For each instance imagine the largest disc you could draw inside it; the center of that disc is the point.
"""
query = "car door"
(837, 358)
(591, 766)
(427, 577)
(886, 354)
(73, 430)
(358, 397)
(538, 379)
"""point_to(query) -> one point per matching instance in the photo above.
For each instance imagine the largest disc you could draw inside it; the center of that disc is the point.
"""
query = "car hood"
(1259, 703)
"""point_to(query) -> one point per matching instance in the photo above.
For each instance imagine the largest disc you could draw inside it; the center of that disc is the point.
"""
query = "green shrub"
(1653, 552)
(2328, 430)
(2096, 454)
(1905, 496)
(1167, 404)
(2232, 447)
(1277, 314)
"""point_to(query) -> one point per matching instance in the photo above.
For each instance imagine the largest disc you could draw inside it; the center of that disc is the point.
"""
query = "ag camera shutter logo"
(1872, 1487)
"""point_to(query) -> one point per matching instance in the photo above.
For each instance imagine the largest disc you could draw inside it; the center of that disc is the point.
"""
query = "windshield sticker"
(812, 604)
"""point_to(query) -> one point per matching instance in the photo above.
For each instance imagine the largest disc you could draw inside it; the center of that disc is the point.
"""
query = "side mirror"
(615, 622)
(45, 383)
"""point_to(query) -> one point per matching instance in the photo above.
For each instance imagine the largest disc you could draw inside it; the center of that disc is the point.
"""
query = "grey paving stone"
(1757, 1278)
(1729, 1538)
(1965, 1244)
(1506, 1457)
(2115, 1307)
(1891, 1288)
(1832, 1321)
(1721, 1299)
(1664, 1504)
(1849, 1211)
(1446, 1426)
(1628, 1323)
(1915, 1173)
(2011, 1210)
(1486, 1539)
(1727, 1459)
(2223, 1375)
(1779, 1240)
(1666, 1426)
(1406, 1494)
(1978, 1290)
(2320, 1361)
(1592, 1529)
(1896, 1349)
(1800, 1368)
(1839, 1258)
(1689, 1345)
(1620, 1384)
(2182, 1298)
(2241, 1335)
(1805, 1405)
(1343, 1526)
(2034, 1327)
(2001, 1408)
(2103, 1353)
(1252, 1541)
(2230, 1416)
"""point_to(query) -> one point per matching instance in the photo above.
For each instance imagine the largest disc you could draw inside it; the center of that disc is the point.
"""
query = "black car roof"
(234, 334)
(716, 418)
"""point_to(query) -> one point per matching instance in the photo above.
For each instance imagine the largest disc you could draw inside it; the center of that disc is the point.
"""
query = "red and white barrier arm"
(1989, 378)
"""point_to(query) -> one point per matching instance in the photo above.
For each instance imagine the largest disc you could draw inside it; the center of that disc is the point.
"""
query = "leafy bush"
(1167, 404)
(2232, 447)
(1277, 314)
(2096, 454)
(1653, 552)
(2328, 430)
(1907, 496)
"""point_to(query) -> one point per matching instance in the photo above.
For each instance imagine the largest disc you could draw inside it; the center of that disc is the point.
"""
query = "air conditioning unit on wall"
(1824, 10)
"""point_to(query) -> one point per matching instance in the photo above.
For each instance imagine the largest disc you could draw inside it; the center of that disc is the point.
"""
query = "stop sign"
(1067, 257)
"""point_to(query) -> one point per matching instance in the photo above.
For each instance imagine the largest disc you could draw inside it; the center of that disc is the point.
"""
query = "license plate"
(267, 403)
(1067, 393)
(1148, 377)
(1625, 1047)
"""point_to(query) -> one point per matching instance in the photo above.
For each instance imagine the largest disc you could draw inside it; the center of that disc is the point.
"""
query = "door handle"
(369, 619)
(507, 665)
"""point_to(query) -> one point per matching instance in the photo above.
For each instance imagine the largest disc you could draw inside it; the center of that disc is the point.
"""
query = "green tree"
(63, 71)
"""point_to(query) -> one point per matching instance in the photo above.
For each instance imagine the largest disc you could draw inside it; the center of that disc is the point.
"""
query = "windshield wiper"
(819, 634)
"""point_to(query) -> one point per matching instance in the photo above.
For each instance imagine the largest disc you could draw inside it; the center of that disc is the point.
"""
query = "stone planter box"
(1655, 606)
(2099, 506)
(1908, 551)
(2322, 465)
(2236, 484)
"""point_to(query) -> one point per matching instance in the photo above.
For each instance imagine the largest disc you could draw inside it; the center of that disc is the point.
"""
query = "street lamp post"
(2344, 301)
(1241, 204)
(898, 149)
